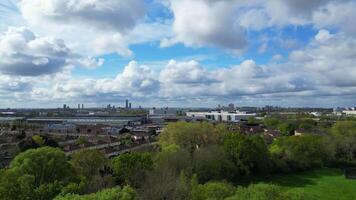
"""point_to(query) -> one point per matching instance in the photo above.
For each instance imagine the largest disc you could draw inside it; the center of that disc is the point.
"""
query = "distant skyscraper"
(82, 106)
(130, 105)
(126, 103)
(64, 106)
(78, 106)
(231, 106)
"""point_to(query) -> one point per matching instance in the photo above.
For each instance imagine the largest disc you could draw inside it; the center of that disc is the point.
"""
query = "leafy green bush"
(295, 153)
(130, 167)
(210, 190)
(265, 192)
(125, 193)
(35, 174)
(248, 153)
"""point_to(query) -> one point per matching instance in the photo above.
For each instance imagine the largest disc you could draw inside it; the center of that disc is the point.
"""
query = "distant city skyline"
(177, 53)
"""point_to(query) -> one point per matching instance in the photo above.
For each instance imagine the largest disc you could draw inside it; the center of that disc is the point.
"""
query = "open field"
(325, 184)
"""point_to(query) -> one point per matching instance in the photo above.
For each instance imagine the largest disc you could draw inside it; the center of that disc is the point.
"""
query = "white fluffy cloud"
(118, 15)
(14, 84)
(90, 27)
(191, 79)
(320, 13)
(204, 22)
(324, 67)
(136, 81)
(284, 12)
(22, 53)
(222, 23)
(329, 60)
(323, 36)
(97, 27)
(180, 81)
(111, 43)
(184, 72)
(255, 19)
(25, 54)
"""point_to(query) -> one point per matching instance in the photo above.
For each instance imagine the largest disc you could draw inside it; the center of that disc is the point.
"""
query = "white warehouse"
(222, 115)
(349, 112)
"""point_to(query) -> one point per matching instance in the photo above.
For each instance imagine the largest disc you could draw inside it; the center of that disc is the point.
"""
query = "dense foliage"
(131, 167)
(195, 161)
(248, 153)
(265, 192)
(92, 167)
(344, 137)
(126, 193)
(300, 153)
(35, 174)
(191, 135)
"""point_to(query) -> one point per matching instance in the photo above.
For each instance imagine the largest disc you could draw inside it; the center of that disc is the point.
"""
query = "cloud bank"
(38, 61)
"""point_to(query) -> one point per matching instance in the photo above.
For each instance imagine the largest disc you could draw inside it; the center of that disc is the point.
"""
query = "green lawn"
(325, 184)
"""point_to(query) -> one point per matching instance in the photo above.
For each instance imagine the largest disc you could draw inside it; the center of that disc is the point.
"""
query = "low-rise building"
(349, 112)
(61, 128)
(224, 116)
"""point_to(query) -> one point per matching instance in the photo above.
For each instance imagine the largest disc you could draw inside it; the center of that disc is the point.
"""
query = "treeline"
(303, 122)
(195, 161)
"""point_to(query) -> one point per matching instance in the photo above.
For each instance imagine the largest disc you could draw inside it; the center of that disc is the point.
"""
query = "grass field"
(324, 184)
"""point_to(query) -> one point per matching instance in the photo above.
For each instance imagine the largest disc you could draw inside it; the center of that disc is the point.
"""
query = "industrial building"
(166, 111)
(224, 116)
(349, 112)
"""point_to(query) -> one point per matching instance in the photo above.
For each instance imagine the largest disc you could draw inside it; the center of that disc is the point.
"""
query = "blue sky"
(177, 52)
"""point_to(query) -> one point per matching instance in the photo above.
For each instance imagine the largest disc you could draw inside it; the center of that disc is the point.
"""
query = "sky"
(177, 53)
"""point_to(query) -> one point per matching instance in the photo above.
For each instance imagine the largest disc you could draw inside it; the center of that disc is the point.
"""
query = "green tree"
(271, 122)
(212, 163)
(45, 164)
(38, 140)
(91, 164)
(174, 158)
(130, 168)
(182, 191)
(344, 128)
(191, 136)
(300, 152)
(265, 192)
(172, 167)
(210, 190)
(125, 193)
(287, 128)
(161, 183)
(248, 153)
(81, 140)
(344, 138)
(252, 120)
(35, 174)
(126, 140)
(307, 124)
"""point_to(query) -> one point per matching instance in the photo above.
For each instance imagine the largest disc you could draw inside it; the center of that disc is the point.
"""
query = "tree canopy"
(130, 167)
(35, 174)
(248, 153)
(192, 135)
(125, 193)
(91, 165)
